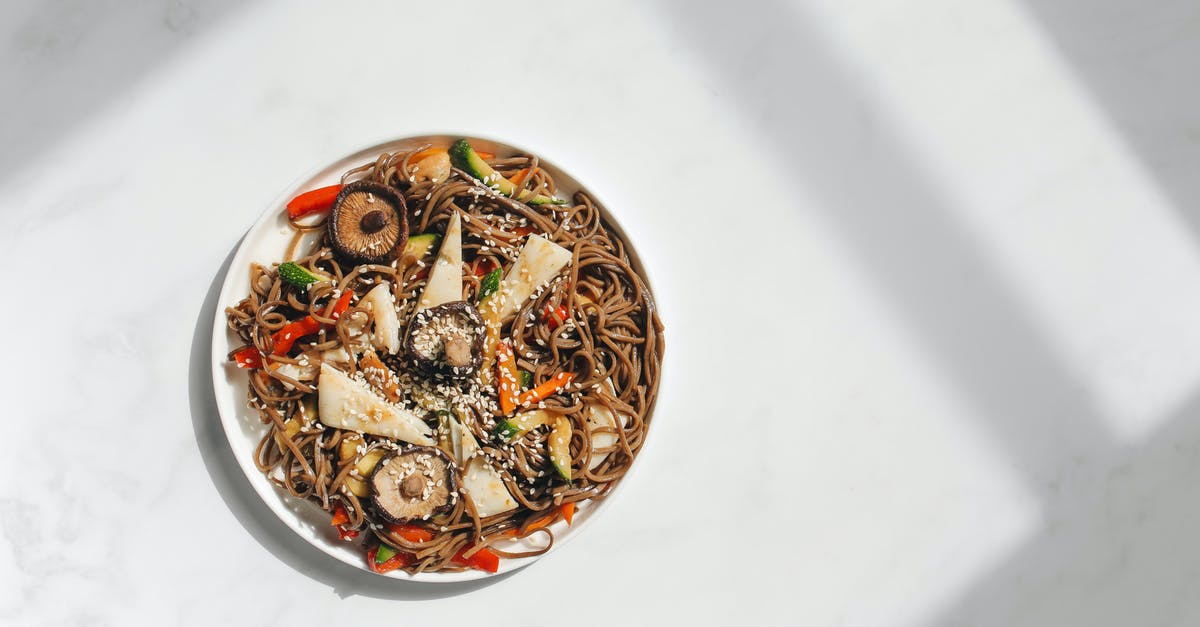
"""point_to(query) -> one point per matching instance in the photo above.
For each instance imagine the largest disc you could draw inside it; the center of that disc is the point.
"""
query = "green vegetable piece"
(512, 428)
(526, 379)
(464, 157)
(489, 285)
(507, 431)
(421, 245)
(298, 276)
(559, 444)
(384, 553)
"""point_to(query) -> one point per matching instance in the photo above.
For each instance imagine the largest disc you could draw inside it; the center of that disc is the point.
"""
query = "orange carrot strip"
(519, 177)
(428, 152)
(412, 533)
(507, 381)
(546, 389)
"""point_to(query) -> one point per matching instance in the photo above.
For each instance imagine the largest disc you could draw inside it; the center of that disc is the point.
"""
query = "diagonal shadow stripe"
(1121, 552)
(1139, 62)
(63, 61)
(903, 231)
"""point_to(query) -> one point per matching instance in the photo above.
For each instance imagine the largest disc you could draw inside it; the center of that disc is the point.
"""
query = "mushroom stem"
(373, 222)
(412, 486)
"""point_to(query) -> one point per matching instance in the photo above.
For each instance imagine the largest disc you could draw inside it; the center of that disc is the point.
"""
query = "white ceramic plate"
(266, 243)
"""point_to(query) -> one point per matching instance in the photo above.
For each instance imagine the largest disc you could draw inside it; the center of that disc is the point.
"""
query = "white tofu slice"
(337, 355)
(445, 278)
(486, 488)
(598, 416)
(386, 334)
(293, 371)
(345, 403)
(457, 440)
(540, 261)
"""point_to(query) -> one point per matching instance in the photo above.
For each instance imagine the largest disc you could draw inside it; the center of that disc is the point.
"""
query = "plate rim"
(278, 501)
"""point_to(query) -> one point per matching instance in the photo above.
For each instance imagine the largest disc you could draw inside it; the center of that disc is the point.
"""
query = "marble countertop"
(930, 273)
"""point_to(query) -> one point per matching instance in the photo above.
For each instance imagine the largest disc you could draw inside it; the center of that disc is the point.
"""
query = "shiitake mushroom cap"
(447, 356)
(368, 223)
(414, 483)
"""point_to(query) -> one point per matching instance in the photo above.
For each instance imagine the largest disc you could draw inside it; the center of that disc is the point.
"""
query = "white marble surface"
(930, 271)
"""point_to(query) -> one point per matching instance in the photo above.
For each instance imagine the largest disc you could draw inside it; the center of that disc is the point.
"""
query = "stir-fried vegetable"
(384, 553)
(434, 166)
(420, 245)
(506, 378)
(284, 338)
(556, 316)
(547, 389)
(248, 357)
(320, 199)
(394, 561)
(411, 533)
(539, 261)
(364, 466)
(464, 157)
(483, 559)
(560, 446)
(346, 403)
(566, 511)
(298, 275)
(487, 488)
(489, 285)
(386, 331)
(514, 428)
(445, 278)
(339, 520)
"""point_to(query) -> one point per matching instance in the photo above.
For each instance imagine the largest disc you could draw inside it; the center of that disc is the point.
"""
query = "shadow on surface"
(1083, 567)
(1140, 62)
(253, 514)
(63, 61)
(1122, 552)
(899, 227)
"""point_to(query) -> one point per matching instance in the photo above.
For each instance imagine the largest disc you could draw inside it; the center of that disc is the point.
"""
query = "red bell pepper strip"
(483, 559)
(556, 316)
(399, 560)
(286, 337)
(484, 267)
(248, 357)
(340, 515)
(320, 199)
(342, 304)
(339, 520)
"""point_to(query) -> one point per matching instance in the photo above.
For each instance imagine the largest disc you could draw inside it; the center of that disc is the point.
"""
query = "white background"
(929, 271)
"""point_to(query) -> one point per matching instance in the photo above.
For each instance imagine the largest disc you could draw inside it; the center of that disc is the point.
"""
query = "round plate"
(266, 243)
